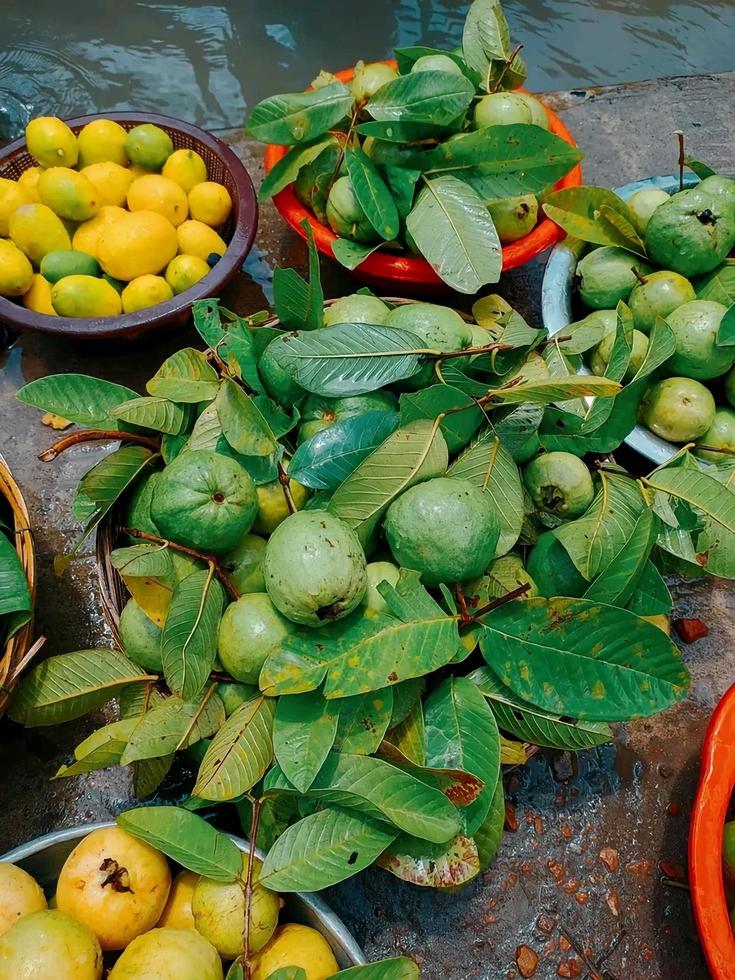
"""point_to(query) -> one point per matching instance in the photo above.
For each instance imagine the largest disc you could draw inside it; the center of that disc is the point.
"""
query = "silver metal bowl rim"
(556, 304)
(332, 927)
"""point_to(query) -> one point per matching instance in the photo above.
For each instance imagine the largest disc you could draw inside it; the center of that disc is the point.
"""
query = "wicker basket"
(223, 166)
(18, 650)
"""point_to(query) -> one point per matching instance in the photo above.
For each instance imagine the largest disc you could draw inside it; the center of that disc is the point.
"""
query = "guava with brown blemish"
(692, 232)
(514, 217)
(678, 409)
(559, 484)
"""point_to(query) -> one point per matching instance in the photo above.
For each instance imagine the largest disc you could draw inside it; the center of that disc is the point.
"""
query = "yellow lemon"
(149, 146)
(177, 913)
(296, 945)
(68, 193)
(85, 296)
(28, 180)
(38, 296)
(22, 895)
(102, 141)
(12, 195)
(110, 180)
(87, 235)
(36, 230)
(51, 143)
(145, 291)
(156, 193)
(210, 202)
(16, 272)
(186, 167)
(196, 238)
(185, 270)
(142, 242)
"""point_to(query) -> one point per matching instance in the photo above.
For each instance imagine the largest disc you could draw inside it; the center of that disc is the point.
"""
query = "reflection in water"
(208, 62)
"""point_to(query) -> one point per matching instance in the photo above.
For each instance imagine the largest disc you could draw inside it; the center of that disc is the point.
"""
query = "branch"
(254, 822)
(506, 67)
(500, 601)
(283, 479)
(98, 435)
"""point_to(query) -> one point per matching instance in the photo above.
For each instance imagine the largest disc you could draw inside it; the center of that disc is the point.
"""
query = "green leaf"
(15, 596)
(398, 968)
(363, 720)
(288, 167)
(546, 392)
(652, 596)
(702, 170)
(619, 579)
(304, 729)
(432, 865)
(301, 116)
(401, 132)
(100, 750)
(287, 973)
(454, 232)
(402, 183)
(458, 427)
(409, 736)
(234, 340)
(661, 345)
(299, 304)
(187, 839)
(726, 329)
(562, 431)
(372, 195)
(406, 695)
(489, 836)
(327, 458)
(144, 561)
(186, 376)
(583, 659)
(718, 286)
(322, 850)
(189, 638)
(436, 97)
(595, 214)
(239, 753)
(351, 254)
(243, 425)
(158, 414)
(518, 426)
(173, 725)
(534, 725)
(78, 398)
(236, 971)
(69, 685)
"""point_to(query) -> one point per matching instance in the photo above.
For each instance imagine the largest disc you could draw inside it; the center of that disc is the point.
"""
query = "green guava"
(504, 575)
(169, 954)
(140, 637)
(438, 327)
(695, 328)
(369, 78)
(691, 233)
(539, 115)
(678, 409)
(446, 529)
(315, 179)
(314, 568)
(272, 370)
(356, 309)
(436, 62)
(319, 411)
(560, 484)
(502, 109)
(720, 435)
(273, 507)
(250, 630)
(138, 511)
(600, 356)
(514, 217)
(49, 943)
(644, 202)
(730, 386)
(661, 294)
(553, 571)
(345, 215)
(719, 186)
(233, 695)
(605, 276)
(219, 909)
(244, 564)
(377, 572)
(204, 501)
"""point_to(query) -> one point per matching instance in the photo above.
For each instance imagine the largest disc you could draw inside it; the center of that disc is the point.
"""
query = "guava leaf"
(459, 786)
(402, 183)
(432, 865)
(546, 392)
(651, 596)
(351, 254)
(148, 774)
(78, 398)
(299, 304)
(407, 57)
(448, 373)
(158, 414)
(661, 345)
(284, 973)
(144, 560)
(619, 579)
(518, 425)
(401, 132)
(458, 427)
(15, 597)
(601, 408)
(187, 839)
(239, 753)
(233, 339)
(726, 329)
(171, 446)
(489, 835)
(172, 725)
(718, 286)
(300, 116)
(583, 659)
(406, 695)
(562, 430)
(398, 968)
(324, 849)
(243, 425)
(207, 430)
(288, 167)
(189, 638)
(596, 215)
(582, 337)
(363, 721)
(437, 97)
(100, 750)
(304, 729)
(485, 35)
(409, 736)
(153, 597)
(186, 376)
(372, 195)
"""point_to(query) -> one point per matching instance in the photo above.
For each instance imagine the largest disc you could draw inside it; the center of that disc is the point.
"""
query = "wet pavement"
(582, 864)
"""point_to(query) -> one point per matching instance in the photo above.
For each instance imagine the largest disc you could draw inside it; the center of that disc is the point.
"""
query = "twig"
(254, 821)
(283, 479)
(715, 449)
(341, 156)
(97, 435)
(500, 601)
(218, 569)
(506, 67)
(469, 351)
(680, 137)
(464, 616)
(641, 279)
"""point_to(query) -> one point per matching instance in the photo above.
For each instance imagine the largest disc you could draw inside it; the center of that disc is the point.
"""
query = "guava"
(138, 510)
(730, 386)
(504, 575)
(377, 572)
(250, 630)
(177, 912)
(319, 412)
(719, 186)
(436, 62)
(661, 294)
(560, 484)
(356, 309)
(539, 115)
(49, 943)
(313, 182)
(691, 233)
(140, 637)
(244, 564)
(345, 215)
(438, 327)
(600, 356)
(273, 506)
(553, 571)
(272, 370)
(644, 202)
(315, 568)
(695, 328)
(205, 501)
(501, 109)
(115, 884)
(295, 945)
(219, 913)
(605, 276)
(678, 409)
(368, 78)
(514, 217)
(169, 954)
(444, 528)
(720, 435)
(20, 895)
(232, 695)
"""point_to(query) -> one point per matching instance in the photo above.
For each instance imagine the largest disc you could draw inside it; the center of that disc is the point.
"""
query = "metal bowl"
(557, 304)
(43, 858)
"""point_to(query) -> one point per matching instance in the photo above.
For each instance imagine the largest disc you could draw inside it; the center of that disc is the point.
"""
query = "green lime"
(148, 146)
(140, 637)
(56, 265)
(251, 630)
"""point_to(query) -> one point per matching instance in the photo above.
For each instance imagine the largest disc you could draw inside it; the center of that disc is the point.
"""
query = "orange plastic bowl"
(407, 271)
(716, 785)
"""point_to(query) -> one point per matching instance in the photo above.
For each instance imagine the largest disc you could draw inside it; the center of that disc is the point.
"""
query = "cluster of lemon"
(132, 226)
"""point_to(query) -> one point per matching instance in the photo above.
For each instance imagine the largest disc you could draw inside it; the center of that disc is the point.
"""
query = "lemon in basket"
(196, 238)
(148, 146)
(36, 230)
(87, 235)
(102, 141)
(12, 195)
(51, 143)
(110, 180)
(85, 296)
(184, 271)
(138, 243)
(210, 202)
(38, 297)
(145, 291)
(153, 192)
(186, 167)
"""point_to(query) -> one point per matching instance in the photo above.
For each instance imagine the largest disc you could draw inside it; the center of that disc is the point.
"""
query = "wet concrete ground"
(589, 833)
